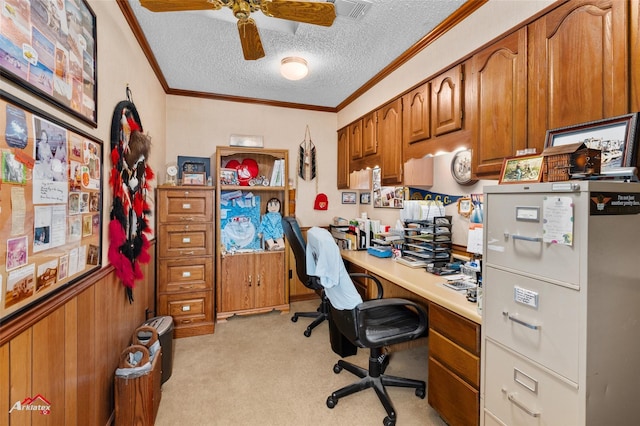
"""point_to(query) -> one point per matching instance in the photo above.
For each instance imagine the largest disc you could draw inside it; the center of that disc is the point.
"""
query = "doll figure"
(271, 226)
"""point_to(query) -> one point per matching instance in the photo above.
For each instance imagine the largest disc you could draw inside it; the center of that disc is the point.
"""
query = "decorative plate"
(461, 167)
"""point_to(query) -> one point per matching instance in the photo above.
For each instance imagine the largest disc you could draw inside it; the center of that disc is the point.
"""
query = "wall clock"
(461, 167)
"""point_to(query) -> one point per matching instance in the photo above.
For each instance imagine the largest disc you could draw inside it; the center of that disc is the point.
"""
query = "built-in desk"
(454, 334)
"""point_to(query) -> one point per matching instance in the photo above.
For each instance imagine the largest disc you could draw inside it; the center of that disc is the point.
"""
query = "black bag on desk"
(339, 343)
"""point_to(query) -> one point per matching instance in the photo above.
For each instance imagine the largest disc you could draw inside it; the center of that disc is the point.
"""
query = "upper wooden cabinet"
(390, 137)
(577, 66)
(369, 135)
(499, 115)
(354, 137)
(343, 158)
(446, 101)
(416, 118)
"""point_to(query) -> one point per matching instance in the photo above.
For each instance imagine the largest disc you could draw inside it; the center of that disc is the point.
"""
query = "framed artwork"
(49, 48)
(465, 206)
(348, 198)
(365, 198)
(194, 165)
(51, 182)
(615, 137)
(195, 178)
(523, 169)
(228, 177)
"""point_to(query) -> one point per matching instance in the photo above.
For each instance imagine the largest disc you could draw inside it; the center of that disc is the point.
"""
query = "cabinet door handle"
(512, 398)
(523, 237)
(249, 280)
(185, 287)
(259, 277)
(519, 321)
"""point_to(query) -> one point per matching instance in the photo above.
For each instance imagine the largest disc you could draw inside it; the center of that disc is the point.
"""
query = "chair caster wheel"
(337, 369)
(307, 332)
(294, 319)
(420, 393)
(331, 402)
(388, 421)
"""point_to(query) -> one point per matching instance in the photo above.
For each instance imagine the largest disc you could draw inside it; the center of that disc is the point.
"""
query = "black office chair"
(299, 247)
(372, 324)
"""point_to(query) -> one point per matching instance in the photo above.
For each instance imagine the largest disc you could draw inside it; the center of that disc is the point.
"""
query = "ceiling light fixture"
(293, 68)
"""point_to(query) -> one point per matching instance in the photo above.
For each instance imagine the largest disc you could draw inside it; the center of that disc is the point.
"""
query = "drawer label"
(186, 308)
(526, 297)
(186, 206)
(186, 274)
(186, 240)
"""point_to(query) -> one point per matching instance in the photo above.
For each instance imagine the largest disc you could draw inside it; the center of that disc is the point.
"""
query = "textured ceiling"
(201, 52)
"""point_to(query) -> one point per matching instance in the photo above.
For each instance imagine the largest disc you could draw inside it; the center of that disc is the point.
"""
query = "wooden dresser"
(185, 253)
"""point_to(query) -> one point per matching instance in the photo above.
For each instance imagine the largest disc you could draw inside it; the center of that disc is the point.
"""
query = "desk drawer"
(195, 239)
(455, 358)
(520, 393)
(188, 308)
(185, 275)
(454, 399)
(548, 334)
(455, 328)
(186, 205)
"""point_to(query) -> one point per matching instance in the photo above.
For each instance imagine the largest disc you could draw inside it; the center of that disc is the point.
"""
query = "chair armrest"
(380, 293)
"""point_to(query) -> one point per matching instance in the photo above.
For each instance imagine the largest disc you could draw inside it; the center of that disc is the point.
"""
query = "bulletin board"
(50, 197)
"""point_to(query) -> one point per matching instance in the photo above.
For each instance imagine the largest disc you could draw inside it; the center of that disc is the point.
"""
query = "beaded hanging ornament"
(129, 181)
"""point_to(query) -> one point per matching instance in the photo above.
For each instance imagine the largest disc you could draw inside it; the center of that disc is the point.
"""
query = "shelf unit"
(251, 280)
(427, 240)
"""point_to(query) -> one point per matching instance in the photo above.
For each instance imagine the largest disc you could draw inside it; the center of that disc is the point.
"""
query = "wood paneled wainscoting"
(66, 350)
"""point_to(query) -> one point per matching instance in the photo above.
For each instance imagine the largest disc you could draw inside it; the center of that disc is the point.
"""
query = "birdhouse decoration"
(563, 161)
(129, 181)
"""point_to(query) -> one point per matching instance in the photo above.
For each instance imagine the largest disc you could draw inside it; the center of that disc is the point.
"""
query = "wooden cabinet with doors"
(446, 101)
(578, 69)
(185, 258)
(369, 135)
(416, 120)
(390, 138)
(343, 158)
(499, 115)
(354, 136)
(250, 278)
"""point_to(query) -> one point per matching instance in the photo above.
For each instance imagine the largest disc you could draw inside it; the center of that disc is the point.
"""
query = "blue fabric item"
(271, 226)
(324, 261)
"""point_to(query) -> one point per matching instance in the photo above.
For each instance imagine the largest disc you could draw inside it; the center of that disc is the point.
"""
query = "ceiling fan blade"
(250, 39)
(301, 11)
(180, 6)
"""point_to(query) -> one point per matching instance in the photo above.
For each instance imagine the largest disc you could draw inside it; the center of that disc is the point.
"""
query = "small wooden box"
(561, 162)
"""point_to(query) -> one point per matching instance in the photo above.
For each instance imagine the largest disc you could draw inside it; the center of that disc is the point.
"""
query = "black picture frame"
(59, 241)
(194, 165)
(365, 198)
(348, 198)
(616, 137)
(52, 53)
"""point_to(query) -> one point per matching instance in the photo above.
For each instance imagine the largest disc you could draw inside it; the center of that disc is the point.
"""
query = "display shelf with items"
(427, 240)
(253, 193)
(185, 258)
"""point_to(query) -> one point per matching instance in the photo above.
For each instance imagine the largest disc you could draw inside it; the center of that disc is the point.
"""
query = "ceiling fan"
(309, 12)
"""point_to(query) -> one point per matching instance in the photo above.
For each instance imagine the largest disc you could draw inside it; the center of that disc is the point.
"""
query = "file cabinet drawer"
(186, 205)
(188, 308)
(520, 393)
(185, 274)
(548, 333)
(186, 240)
(514, 232)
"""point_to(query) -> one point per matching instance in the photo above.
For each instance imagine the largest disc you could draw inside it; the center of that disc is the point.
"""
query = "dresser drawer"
(456, 402)
(192, 239)
(455, 358)
(186, 205)
(520, 393)
(188, 308)
(185, 274)
(514, 237)
(547, 333)
(455, 328)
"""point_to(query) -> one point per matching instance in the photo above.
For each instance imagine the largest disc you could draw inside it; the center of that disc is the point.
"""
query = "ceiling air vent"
(354, 9)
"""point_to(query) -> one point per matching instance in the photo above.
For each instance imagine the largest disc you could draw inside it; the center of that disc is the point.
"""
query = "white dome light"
(293, 68)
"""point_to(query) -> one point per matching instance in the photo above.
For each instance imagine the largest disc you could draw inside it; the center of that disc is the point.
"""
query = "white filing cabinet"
(561, 313)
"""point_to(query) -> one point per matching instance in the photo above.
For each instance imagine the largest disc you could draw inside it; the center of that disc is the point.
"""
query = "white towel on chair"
(324, 261)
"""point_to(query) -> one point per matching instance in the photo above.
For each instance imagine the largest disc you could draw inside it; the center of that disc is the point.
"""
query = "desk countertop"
(416, 280)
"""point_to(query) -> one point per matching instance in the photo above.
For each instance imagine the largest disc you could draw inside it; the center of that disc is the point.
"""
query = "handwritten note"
(557, 222)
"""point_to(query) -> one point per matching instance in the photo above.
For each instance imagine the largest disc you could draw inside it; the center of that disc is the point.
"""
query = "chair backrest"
(299, 247)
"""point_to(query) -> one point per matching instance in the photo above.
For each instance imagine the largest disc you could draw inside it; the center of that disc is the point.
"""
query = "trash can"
(164, 327)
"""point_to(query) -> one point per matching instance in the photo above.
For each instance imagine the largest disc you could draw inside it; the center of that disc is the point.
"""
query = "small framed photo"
(229, 177)
(193, 165)
(365, 198)
(465, 206)
(523, 169)
(348, 198)
(194, 178)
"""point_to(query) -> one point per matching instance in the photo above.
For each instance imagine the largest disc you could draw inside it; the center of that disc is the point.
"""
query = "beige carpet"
(261, 370)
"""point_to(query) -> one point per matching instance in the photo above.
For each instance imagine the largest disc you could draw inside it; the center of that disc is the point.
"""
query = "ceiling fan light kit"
(294, 68)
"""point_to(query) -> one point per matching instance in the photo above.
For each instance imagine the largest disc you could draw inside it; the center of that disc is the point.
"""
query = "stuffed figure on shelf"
(271, 226)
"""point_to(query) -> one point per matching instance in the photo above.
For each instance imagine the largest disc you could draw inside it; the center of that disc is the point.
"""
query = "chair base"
(376, 379)
(320, 315)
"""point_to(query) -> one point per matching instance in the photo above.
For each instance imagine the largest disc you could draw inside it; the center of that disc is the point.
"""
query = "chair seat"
(390, 324)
